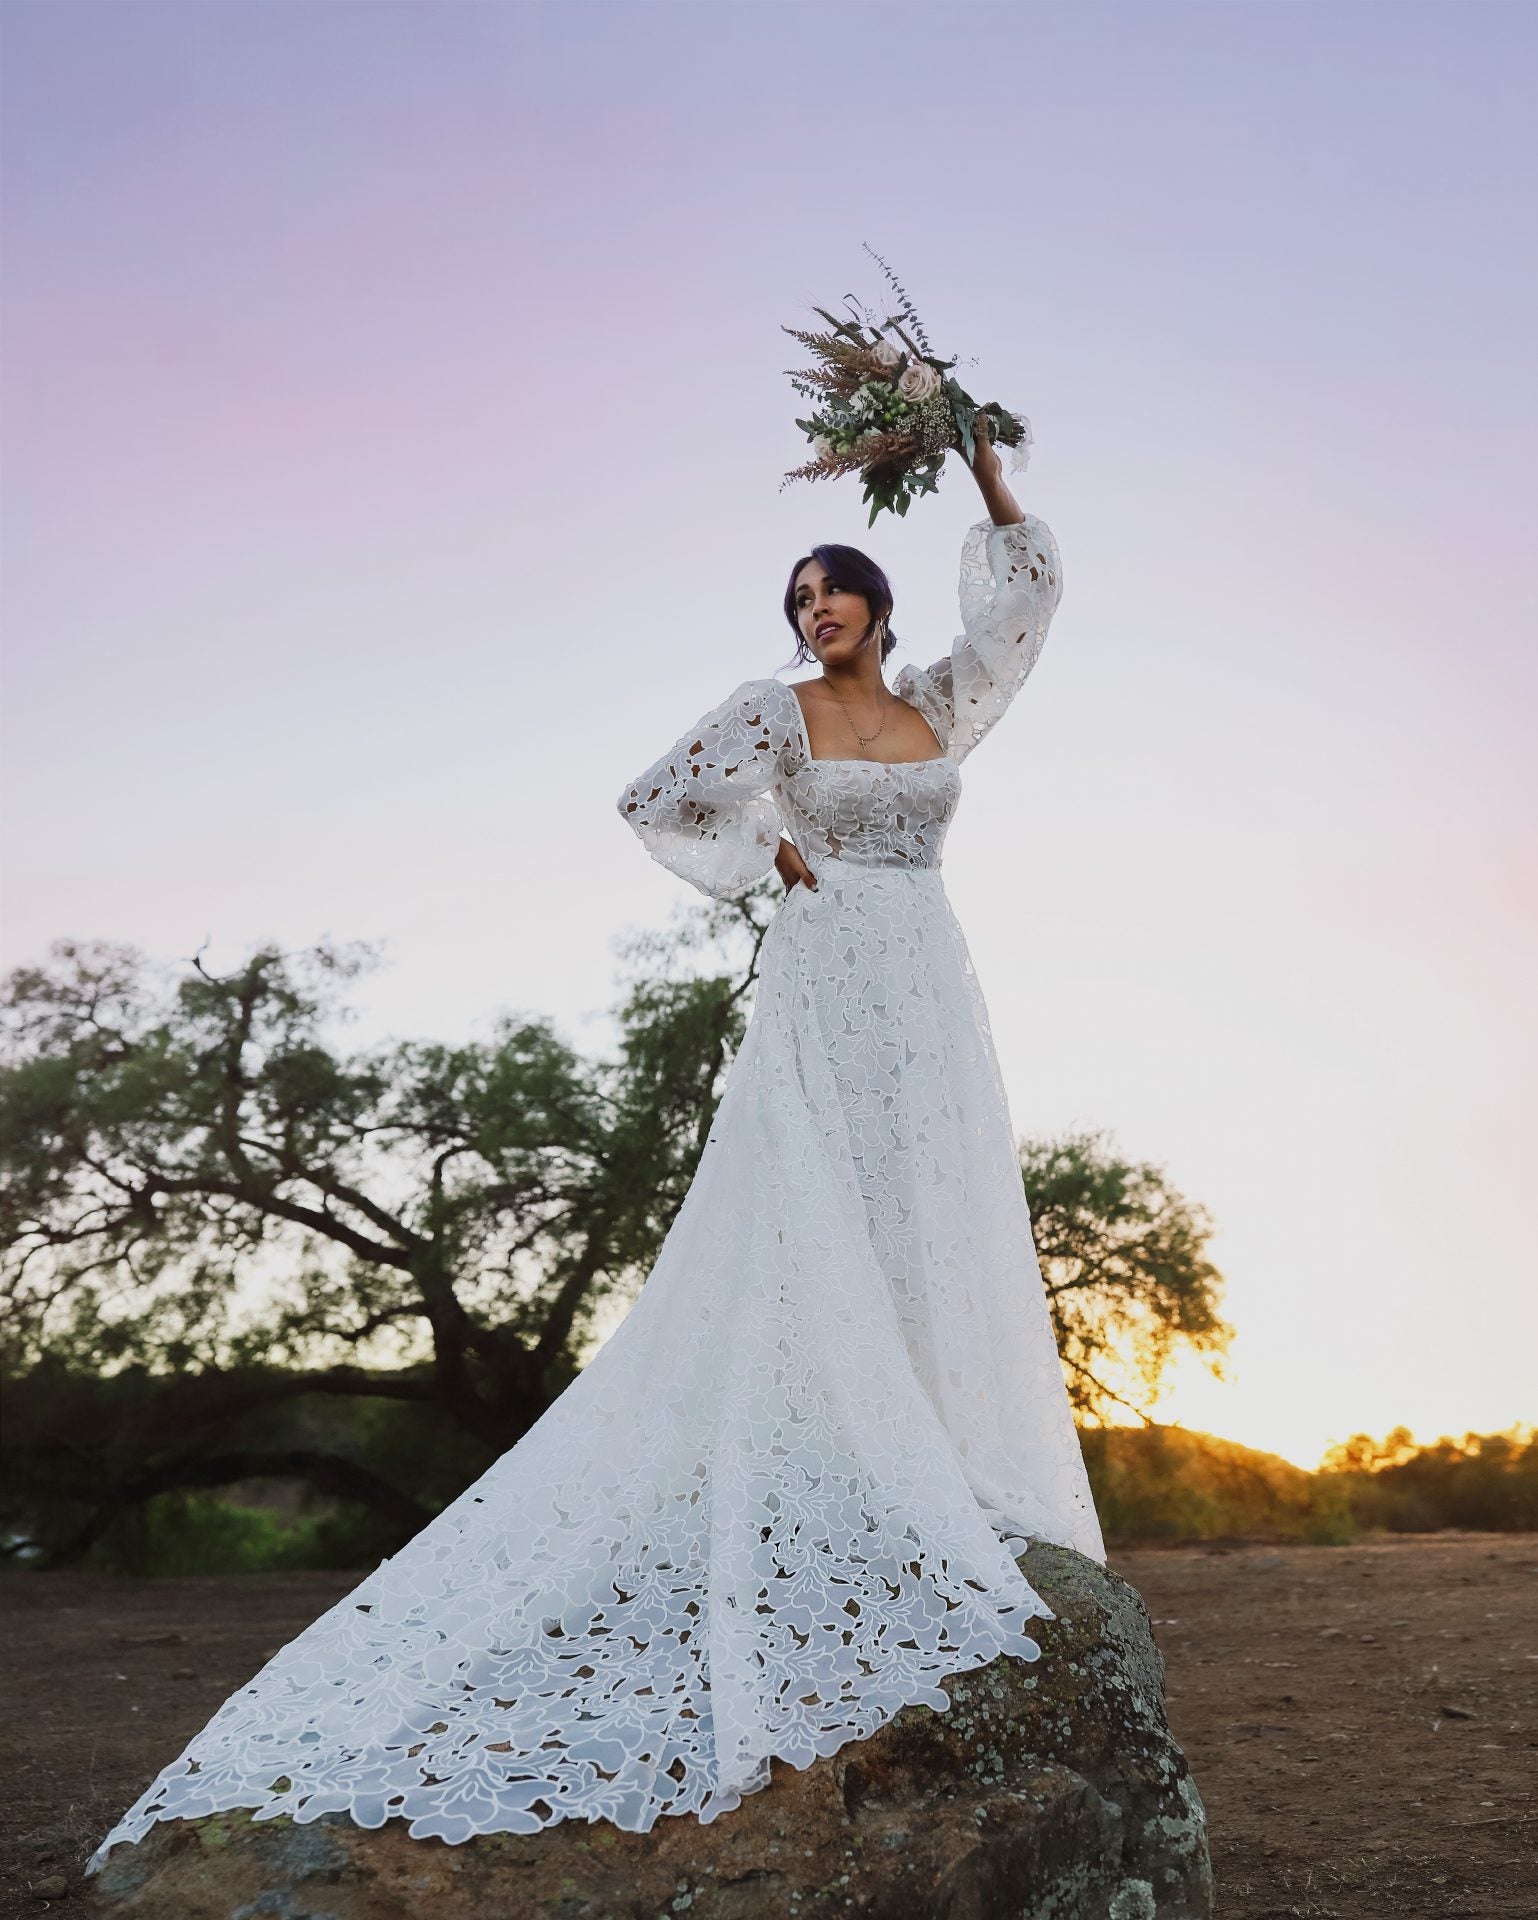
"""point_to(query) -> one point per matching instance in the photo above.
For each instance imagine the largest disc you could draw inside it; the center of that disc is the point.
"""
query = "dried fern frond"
(828, 347)
(831, 467)
(823, 380)
(813, 470)
(853, 355)
(817, 342)
(886, 450)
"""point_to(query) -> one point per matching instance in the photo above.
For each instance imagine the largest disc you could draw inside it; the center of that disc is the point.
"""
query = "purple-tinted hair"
(856, 572)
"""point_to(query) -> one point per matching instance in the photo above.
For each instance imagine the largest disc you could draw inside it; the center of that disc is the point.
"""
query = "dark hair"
(851, 569)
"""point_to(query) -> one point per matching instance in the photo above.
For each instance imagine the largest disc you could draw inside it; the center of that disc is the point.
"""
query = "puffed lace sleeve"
(1011, 582)
(705, 810)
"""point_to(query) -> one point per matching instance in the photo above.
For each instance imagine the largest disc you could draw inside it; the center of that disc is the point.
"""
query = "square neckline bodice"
(865, 759)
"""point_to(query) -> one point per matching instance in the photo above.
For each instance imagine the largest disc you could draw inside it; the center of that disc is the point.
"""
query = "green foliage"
(85, 1449)
(183, 1534)
(1158, 1483)
(1124, 1259)
(1485, 1481)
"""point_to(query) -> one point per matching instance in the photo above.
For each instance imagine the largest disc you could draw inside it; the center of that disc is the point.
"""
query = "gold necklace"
(864, 738)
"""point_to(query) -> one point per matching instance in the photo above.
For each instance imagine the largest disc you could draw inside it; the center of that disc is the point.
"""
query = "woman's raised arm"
(1011, 582)
(988, 471)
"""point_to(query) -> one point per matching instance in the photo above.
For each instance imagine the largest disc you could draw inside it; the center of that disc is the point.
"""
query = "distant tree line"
(1158, 1483)
(1486, 1482)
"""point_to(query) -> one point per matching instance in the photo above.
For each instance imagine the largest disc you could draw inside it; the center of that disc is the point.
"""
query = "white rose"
(822, 446)
(885, 354)
(919, 381)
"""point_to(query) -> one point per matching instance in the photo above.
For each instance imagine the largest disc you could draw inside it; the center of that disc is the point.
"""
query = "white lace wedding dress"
(784, 1499)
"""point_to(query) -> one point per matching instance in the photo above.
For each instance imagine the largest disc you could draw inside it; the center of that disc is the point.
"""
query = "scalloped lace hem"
(373, 1810)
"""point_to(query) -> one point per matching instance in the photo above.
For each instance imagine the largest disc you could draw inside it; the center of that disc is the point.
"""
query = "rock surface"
(1051, 1790)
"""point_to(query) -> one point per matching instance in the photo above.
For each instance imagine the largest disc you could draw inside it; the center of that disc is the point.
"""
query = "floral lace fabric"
(784, 1499)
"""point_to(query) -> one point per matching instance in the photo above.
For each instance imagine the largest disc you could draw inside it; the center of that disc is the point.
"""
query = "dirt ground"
(1362, 1721)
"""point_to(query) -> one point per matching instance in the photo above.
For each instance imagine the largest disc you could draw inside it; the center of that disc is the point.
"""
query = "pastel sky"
(393, 426)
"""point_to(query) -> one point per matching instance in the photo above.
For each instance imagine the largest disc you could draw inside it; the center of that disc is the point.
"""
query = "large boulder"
(1050, 1790)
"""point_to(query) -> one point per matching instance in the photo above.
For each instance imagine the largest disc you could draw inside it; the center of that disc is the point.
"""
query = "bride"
(786, 1497)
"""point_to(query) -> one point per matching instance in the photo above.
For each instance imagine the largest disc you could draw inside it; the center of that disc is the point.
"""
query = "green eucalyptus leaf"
(968, 438)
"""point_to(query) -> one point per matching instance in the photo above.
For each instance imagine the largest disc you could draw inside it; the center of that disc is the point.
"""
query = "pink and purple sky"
(393, 419)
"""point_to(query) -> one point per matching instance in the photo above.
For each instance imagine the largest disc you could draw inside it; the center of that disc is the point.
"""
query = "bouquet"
(888, 408)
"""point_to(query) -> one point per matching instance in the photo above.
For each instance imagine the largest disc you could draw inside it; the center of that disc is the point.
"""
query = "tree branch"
(327, 1472)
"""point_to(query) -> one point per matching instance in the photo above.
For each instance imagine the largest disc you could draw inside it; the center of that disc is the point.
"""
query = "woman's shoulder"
(929, 690)
(775, 696)
(918, 682)
(765, 702)
(762, 690)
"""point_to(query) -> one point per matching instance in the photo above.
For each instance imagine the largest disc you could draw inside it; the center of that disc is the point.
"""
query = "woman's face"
(831, 618)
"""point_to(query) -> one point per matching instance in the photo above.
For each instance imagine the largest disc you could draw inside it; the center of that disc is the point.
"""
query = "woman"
(784, 1499)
